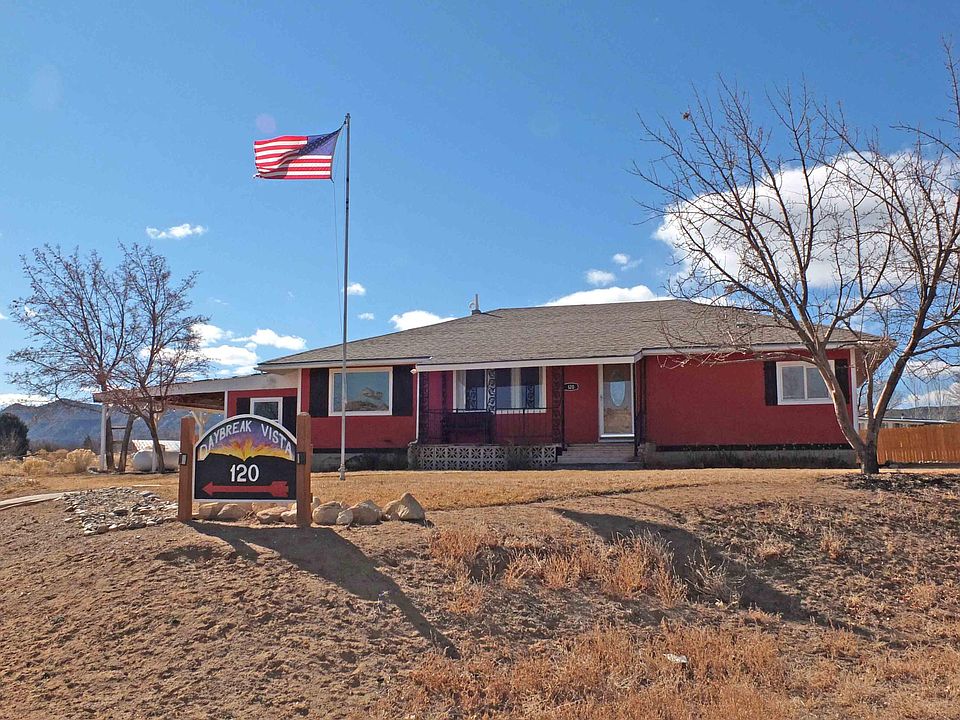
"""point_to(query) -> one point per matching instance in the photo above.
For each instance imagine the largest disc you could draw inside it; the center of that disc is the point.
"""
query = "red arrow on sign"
(277, 489)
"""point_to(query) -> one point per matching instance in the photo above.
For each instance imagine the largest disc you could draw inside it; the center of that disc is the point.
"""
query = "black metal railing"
(504, 426)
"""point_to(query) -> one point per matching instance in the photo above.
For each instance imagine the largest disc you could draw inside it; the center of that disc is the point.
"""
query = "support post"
(188, 437)
(343, 367)
(304, 452)
(103, 437)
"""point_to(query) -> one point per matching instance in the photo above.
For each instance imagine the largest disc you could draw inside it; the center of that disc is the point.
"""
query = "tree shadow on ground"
(686, 547)
(325, 554)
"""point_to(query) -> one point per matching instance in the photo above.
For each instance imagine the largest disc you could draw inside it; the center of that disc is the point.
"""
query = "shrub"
(13, 436)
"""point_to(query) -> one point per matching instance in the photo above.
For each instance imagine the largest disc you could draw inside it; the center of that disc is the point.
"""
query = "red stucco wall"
(364, 432)
(723, 404)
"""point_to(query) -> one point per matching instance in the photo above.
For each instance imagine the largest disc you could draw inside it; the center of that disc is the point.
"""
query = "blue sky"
(491, 148)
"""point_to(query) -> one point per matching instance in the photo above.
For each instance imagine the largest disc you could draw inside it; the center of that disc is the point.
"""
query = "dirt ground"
(850, 588)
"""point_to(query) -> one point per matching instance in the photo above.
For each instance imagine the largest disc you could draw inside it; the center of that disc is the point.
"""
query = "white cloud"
(780, 213)
(930, 369)
(239, 370)
(356, 289)
(624, 261)
(637, 293)
(599, 277)
(230, 356)
(949, 395)
(265, 336)
(12, 398)
(416, 318)
(366, 316)
(3, 317)
(176, 232)
(209, 334)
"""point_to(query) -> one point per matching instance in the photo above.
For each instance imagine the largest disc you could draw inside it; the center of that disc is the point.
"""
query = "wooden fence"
(922, 444)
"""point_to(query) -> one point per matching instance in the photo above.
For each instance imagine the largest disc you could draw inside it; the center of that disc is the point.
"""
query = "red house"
(535, 387)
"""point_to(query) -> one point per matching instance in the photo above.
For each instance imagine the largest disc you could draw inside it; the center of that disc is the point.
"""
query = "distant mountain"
(949, 413)
(68, 423)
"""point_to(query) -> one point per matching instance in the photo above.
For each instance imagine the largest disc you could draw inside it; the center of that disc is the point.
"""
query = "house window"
(269, 408)
(471, 390)
(517, 389)
(369, 392)
(800, 383)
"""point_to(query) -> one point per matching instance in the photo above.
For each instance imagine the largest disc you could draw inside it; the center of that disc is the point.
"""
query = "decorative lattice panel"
(482, 457)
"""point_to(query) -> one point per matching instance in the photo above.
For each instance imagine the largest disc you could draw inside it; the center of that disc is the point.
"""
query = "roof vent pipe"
(475, 305)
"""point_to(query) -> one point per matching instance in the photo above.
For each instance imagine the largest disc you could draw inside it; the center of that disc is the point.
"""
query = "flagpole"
(343, 368)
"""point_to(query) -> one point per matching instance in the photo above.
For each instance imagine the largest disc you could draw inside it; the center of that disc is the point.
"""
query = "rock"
(345, 517)
(233, 511)
(208, 511)
(120, 511)
(327, 513)
(406, 508)
(289, 516)
(258, 506)
(272, 515)
(366, 513)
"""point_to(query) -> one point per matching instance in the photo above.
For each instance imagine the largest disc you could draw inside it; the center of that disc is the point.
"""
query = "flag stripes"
(295, 157)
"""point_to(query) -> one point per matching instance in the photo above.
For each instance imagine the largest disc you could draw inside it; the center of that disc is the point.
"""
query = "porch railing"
(504, 426)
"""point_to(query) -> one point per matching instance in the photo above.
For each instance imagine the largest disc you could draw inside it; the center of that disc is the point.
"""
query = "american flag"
(295, 157)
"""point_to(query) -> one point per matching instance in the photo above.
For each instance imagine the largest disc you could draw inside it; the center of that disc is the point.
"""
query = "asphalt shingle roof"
(560, 332)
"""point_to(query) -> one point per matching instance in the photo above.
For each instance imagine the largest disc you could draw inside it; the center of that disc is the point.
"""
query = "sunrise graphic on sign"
(244, 440)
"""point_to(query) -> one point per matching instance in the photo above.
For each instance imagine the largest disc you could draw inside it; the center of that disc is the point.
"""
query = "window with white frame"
(517, 389)
(471, 391)
(369, 391)
(800, 383)
(269, 408)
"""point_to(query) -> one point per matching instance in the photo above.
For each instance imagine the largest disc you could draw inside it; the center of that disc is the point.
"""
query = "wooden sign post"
(188, 433)
(245, 458)
(304, 461)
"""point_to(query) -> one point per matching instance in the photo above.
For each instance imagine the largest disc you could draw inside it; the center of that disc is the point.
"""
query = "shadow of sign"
(328, 556)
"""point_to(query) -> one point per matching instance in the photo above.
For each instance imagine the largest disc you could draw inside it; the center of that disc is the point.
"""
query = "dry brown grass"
(832, 543)
(627, 568)
(610, 672)
(641, 565)
(461, 550)
(46, 463)
(462, 489)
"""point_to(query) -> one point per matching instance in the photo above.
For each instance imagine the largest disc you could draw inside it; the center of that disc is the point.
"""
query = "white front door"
(616, 400)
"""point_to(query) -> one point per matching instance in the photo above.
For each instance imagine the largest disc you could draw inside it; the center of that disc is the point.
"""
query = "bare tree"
(78, 321)
(167, 346)
(802, 223)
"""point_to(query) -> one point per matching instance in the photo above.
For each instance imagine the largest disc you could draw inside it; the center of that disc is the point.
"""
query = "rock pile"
(116, 508)
(328, 513)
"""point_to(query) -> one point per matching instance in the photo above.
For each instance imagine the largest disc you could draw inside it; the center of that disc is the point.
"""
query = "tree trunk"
(125, 444)
(157, 447)
(868, 463)
(109, 444)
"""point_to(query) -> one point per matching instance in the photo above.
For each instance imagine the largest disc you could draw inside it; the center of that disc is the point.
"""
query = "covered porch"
(525, 415)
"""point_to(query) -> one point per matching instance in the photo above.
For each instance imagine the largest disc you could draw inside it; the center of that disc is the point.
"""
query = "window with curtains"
(517, 389)
(471, 390)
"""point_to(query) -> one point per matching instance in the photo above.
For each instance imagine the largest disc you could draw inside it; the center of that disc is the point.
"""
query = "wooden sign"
(569, 387)
(245, 458)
